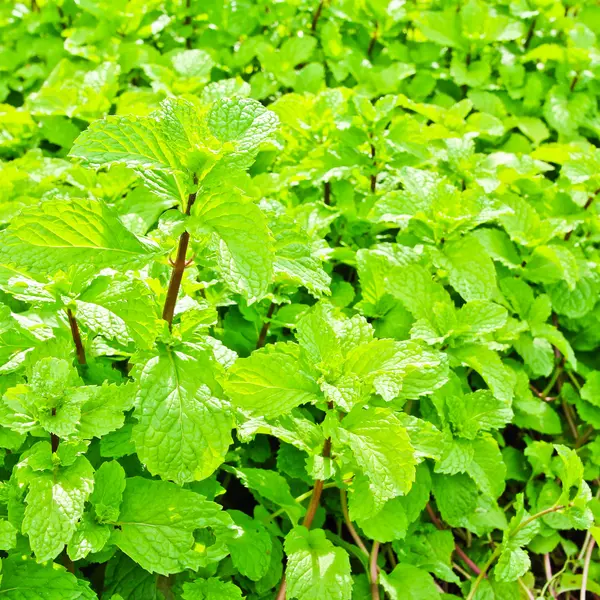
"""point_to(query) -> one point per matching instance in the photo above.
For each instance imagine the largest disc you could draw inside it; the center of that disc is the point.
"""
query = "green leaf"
(109, 484)
(470, 270)
(315, 567)
(479, 411)
(272, 381)
(408, 581)
(59, 234)
(380, 445)
(130, 301)
(591, 389)
(211, 589)
(157, 523)
(8, 535)
(512, 564)
(251, 547)
(89, 536)
(24, 579)
(500, 378)
(183, 432)
(244, 243)
(55, 503)
(103, 409)
(273, 487)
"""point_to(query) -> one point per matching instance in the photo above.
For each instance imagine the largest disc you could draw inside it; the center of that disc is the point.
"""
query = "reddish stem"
(373, 40)
(374, 571)
(357, 539)
(327, 192)
(463, 555)
(312, 509)
(179, 266)
(76, 337)
(313, 26)
(373, 176)
(262, 336)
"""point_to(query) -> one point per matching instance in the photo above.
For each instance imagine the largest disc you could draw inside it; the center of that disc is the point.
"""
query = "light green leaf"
(272, 486)
(512, 564)
(157, 523)
(109, 484)
(479, 411)
(381, 447)
(24, 579)
(89, 536)
(272, 381)
(251, 547)
(410, 583)
(130, 301)
(470, 270)
(244, 243)
(59, 234)
(487, 468)
(315, 567)
(211, 589)
(183, 432)
(55, 503)
(103, 409)
(8, 535)
(499, 377)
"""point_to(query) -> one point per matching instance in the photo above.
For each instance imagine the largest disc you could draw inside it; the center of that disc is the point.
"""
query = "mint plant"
(299, 300)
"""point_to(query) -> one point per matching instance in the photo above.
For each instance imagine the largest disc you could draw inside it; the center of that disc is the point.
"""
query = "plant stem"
(373, 176)
(497, 549)
(68, 563)
(76, 337)
(299, 499)
(327, 193)
(530, 33)
(262, 336)
(586, 569)
(357, 539)
(188, 21)
(281, 592)
(374, 571)
(527, 591)
(312, 507)
(316, 494)
(373, 40)
(316, 16)
(483, 572)
(178, 269)
(463, 555)
(548, 571)
(391, 557)
(551, 383)
(573, 83)
(570, 419)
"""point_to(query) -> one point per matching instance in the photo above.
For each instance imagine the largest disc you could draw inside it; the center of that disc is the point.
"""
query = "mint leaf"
(109, 484)
(211, 589)
(58, 235)
(272, 381)
(23, 578)
(316, 568)
(244, 243)
(157, 522)
(183, 432)
(367, 434)
(55, 503)
(251, 547)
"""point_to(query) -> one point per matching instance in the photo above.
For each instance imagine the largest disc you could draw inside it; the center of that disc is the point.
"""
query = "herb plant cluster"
(299, 299)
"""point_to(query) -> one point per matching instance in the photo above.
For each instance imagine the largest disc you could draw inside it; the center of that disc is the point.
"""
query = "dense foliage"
(299, 300)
